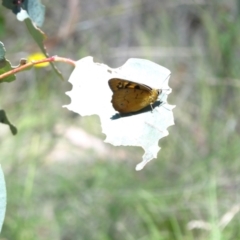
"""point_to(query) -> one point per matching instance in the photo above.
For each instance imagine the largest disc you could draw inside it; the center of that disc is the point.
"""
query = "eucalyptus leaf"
(91, 95)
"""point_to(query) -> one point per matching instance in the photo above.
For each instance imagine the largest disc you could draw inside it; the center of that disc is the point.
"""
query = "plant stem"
(32, 63)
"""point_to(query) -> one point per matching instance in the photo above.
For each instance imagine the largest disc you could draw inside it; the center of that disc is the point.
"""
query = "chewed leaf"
(91, 94)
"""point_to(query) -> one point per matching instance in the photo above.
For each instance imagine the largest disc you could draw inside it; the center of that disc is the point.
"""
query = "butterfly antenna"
(169, 89)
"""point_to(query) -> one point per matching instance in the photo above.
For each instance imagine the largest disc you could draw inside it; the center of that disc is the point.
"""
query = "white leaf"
(91, 95)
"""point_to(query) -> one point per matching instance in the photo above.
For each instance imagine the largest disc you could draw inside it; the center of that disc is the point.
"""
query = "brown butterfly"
(131, 96)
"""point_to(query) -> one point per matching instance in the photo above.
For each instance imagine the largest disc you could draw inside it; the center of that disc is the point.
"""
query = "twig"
(34, 62)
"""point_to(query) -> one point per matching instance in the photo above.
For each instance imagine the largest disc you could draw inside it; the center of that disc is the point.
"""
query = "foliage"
(62, 187)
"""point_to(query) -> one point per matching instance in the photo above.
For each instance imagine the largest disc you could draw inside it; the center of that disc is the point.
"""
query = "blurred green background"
(64, 183)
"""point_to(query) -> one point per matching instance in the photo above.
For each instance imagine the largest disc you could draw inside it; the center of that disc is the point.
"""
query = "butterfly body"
(131, 96)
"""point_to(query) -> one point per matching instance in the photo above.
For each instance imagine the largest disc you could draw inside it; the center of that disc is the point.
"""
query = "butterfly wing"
(131, 100)
(131, 96)
(116, 84)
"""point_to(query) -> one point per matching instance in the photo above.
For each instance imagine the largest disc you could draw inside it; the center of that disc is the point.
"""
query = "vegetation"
(63, 182)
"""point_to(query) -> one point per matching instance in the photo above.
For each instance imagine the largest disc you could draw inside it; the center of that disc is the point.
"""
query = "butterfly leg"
(151, 106)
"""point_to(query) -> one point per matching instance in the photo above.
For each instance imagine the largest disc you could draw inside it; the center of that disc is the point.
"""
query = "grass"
(58, 190)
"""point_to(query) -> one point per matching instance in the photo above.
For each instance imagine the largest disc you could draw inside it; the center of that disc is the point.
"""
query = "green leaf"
(4, 120)
(36, 11)
(39, 37)
(2, 51)
(34, 8)
(5, 65)
(3, 198)
(11, 5)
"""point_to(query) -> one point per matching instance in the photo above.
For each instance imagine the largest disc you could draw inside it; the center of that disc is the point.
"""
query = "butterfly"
(131, 96)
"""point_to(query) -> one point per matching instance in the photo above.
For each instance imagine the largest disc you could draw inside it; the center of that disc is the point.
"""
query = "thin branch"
(34, 62)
